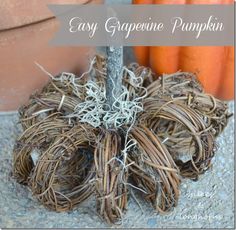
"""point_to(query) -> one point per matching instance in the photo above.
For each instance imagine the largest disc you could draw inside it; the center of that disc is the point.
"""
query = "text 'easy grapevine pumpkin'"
(214, 65)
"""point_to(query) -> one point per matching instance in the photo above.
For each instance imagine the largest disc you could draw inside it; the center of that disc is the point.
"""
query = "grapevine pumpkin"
(214, 65)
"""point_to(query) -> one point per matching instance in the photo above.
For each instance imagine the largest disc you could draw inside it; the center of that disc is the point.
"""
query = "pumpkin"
(214, 65)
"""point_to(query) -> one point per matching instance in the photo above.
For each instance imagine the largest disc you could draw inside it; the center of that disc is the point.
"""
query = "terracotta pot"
(26, 27)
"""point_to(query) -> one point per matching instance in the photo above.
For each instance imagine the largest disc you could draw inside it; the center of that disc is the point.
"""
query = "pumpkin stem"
(114, 74)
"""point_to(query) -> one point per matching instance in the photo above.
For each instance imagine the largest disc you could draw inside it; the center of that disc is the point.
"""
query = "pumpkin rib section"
(142, 52)
(142, 1)
(167, 2)
(164, 59)
(226, 87)
(142, 55)
(206, 62)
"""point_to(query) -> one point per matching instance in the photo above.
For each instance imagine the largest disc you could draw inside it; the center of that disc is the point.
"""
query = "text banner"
(144, 25)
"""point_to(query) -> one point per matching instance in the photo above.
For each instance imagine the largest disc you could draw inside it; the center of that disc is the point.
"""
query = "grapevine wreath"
(81, 138)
